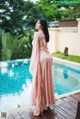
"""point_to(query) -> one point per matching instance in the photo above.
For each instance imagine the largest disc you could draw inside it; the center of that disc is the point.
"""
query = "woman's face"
(38, 25)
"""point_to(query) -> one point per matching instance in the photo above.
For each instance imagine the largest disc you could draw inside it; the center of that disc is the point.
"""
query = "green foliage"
(67, 1)
(0, 43)
(69, 57)
(17, 18)
(14, 48)
(60, 9)
(18, 15)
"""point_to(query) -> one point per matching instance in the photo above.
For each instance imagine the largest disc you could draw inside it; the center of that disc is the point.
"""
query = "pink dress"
(41, 70)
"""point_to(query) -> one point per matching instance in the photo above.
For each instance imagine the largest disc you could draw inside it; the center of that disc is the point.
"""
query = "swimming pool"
(16, 81)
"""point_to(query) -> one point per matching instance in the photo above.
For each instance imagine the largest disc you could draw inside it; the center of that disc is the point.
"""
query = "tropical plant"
(0, 43)
(14, 48)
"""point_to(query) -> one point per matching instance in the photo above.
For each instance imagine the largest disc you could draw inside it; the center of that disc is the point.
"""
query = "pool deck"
(65, 108)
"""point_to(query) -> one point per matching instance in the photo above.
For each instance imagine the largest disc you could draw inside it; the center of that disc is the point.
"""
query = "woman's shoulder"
(37, 34)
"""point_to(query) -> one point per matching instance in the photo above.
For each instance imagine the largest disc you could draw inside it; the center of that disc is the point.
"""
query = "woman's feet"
(37, 113)
(47, 109)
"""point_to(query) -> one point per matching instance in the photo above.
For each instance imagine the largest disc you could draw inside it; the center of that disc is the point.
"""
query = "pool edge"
(55, 59)
(57, 97)
(67, 94)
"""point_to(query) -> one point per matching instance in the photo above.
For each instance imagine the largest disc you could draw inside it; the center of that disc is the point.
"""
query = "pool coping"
(65, 61)
(56, 96)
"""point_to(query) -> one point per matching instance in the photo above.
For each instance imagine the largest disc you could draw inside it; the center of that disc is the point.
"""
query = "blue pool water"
(16, 81)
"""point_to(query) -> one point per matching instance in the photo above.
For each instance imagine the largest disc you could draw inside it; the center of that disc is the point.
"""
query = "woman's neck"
(40, 30)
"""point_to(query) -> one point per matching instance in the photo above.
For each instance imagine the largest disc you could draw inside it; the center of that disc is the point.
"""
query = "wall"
(62, 37)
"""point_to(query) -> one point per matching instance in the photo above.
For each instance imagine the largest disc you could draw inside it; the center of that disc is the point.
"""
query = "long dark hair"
(44, 25)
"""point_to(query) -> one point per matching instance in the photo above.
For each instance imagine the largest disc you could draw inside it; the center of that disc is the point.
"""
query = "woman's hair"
(44, 25)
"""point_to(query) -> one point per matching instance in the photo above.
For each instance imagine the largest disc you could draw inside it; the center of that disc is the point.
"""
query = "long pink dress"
(41, 70)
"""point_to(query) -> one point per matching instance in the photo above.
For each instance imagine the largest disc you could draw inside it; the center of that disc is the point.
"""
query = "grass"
(69, 57)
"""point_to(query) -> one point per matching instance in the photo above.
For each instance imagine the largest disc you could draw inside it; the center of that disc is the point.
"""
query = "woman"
(41, 70)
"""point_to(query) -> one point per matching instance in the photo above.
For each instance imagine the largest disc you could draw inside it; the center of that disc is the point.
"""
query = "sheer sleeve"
(35, 56)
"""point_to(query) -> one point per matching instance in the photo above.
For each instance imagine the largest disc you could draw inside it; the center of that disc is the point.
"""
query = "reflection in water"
(12, 101)
(17, 81)
(3, 64)
(4, 70)
(65, 72)
(66, 79)
(13, 65)
(11, 73)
